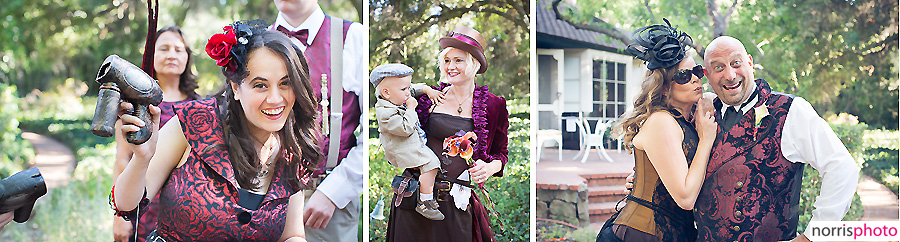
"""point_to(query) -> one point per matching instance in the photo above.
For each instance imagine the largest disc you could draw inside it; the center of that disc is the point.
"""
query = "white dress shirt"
(345, 182)
(807, 138)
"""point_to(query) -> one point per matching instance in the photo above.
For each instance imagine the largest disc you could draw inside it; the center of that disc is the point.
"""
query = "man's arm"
(345, 181)
(807, 138)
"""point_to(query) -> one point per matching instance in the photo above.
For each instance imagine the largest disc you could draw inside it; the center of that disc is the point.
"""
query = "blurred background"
(407, 31)
(50, 52)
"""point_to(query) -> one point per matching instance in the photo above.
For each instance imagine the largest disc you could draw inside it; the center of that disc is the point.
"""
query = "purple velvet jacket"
(491, 124)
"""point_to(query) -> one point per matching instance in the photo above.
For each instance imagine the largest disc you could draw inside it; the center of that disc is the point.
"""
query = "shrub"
(881, 164)
(810, 188)
(852, 135)
(77, 211)
(16, 152)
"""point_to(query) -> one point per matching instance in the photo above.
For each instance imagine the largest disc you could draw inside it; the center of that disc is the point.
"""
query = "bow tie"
(301, 35)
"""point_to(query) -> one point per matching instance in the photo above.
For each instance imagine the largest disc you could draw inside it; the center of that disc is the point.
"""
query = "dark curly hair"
(301, 130)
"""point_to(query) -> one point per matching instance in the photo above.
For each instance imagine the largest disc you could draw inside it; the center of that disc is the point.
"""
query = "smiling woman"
(468, 107)
(253, 144)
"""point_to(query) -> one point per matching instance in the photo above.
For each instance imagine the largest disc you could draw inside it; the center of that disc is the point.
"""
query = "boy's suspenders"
(337, 93)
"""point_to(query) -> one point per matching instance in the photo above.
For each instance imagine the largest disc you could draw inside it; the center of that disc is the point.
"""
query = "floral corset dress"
(200, 199)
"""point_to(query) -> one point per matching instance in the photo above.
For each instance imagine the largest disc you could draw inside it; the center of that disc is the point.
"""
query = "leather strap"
(665, 212)
(337, 92)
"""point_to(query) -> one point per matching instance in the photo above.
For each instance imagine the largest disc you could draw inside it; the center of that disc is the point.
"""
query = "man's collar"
(312, 23)
(746, 105)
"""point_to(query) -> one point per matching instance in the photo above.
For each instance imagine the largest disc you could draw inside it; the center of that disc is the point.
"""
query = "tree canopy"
(45, 42)
(406, 31)
(841, 55)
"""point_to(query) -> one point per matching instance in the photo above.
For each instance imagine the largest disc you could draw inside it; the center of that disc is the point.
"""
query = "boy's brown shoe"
(429, 209)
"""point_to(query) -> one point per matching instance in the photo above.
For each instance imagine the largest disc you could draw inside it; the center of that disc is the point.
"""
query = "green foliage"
(46, 42)
(882, 138)
(881, 164)
(839, 55)
(408, 31)
(16, 152)
(550, 231)
(509, 192)
(513, 190)
(810, 190)
(76, 211)
(852, 135)
(380, 175)
(63, 115)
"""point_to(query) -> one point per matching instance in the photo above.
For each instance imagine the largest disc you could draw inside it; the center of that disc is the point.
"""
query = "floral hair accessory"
(219, 46)
(661, 46)
(229, 49)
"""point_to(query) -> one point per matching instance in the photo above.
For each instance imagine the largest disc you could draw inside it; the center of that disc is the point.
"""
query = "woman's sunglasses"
(684, 76)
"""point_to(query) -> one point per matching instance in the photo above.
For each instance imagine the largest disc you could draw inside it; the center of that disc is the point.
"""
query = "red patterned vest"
(751, 191)
(318, 55)
(199, 200)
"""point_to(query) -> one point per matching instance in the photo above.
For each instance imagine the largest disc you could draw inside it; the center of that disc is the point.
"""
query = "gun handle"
(23, 213)
(19, 192)
(105, 117)
(141, 111)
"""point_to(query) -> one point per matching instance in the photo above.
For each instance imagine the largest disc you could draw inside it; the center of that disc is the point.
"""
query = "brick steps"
(603, 194)
(604, 190)
(600, 212)
(609, 179)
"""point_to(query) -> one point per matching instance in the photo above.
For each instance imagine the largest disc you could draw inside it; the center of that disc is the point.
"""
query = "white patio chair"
(592, 139)
(545, 135)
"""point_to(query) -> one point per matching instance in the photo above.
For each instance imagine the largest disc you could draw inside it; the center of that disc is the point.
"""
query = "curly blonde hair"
(653, 98)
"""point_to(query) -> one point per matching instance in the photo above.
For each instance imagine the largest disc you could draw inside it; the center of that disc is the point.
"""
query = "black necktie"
(730, 118)
(301, 35)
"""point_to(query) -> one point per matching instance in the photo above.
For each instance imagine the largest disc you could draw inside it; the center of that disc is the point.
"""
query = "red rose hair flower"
(219, 46)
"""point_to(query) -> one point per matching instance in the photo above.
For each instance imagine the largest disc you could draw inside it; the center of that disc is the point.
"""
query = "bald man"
(752, 186)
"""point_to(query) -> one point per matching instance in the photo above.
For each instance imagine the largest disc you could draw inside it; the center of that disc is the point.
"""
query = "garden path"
(881, 204)
(55, 160)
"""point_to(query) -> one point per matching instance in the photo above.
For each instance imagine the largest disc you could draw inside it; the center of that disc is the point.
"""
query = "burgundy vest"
(751, 191)
(318, 56)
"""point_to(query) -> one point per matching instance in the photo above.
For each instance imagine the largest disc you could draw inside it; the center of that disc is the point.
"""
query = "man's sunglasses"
(684, 76)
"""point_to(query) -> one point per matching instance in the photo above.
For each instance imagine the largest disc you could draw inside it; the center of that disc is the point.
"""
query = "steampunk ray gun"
(20, 191)
(120, 80)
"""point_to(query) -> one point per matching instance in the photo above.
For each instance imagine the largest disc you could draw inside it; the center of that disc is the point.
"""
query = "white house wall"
(577, 78)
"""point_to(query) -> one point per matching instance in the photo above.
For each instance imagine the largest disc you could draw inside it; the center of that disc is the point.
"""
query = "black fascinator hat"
(230, 48)
(661, 46)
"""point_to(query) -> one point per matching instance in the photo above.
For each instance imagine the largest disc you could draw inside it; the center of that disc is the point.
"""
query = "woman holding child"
(230, 167)
(466, 107)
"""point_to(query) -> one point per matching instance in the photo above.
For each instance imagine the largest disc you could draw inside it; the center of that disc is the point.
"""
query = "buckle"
(442, 186)
(443, 191)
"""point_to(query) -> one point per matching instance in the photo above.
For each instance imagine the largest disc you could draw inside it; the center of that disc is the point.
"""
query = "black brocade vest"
(751, 191)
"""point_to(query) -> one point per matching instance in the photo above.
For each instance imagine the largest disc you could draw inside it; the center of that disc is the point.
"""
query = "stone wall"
(564, 203)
